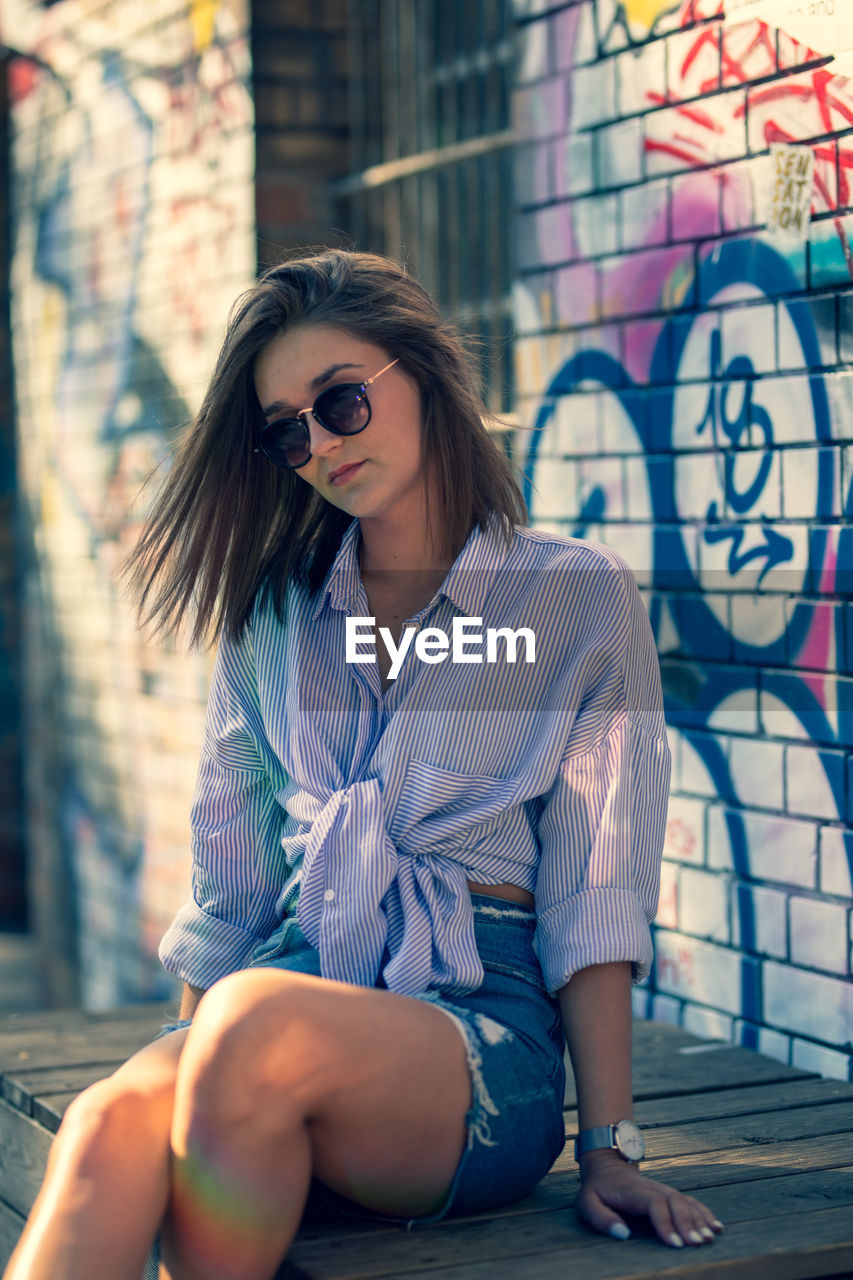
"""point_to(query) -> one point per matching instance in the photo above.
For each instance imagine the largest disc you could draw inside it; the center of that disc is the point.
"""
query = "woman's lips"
(344, 473)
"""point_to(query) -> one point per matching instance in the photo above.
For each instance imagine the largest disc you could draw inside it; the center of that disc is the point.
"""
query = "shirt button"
(329, 895)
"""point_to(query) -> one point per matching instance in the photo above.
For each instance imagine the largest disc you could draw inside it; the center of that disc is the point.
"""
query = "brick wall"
(132, 130)
(12, 889)
(684, 379)
(299, 75)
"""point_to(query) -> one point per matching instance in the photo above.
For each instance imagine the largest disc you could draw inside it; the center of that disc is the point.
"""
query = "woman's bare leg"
(107, 1181)
(286, 1074)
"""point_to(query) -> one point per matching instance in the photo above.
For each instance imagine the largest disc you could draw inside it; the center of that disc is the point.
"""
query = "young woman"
(427, 826)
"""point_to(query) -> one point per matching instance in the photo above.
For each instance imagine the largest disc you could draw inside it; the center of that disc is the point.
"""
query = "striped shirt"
(363, 813)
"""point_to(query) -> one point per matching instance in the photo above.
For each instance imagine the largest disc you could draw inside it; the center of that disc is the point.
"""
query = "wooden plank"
(24, 1145)
(22, 1089)
(652, 1113)
(11, 1226)
(15, 1023)
(787, 1247)
(763, 1129)
(471, 1240)
(106, 1043)
(667, 1061)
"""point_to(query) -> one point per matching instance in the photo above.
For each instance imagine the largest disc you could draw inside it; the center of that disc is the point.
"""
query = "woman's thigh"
(381, 1079)
(514, 1044)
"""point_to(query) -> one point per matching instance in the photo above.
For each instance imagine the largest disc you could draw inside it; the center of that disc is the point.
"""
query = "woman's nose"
(321, 442)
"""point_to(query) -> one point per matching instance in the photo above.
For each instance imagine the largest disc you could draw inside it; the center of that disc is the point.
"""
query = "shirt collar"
(466, 584)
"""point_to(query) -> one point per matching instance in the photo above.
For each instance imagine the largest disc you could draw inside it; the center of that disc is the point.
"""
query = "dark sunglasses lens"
(286, 442)
(343, 409)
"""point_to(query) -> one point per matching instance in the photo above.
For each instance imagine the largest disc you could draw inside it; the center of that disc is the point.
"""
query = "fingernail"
(676, 1240)
(694, 1236)
(716, 1223)
(707, 1233)
(619, 1231)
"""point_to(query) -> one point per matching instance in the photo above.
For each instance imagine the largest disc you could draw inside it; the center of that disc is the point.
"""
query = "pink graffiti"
(680, 838)
(676, 970)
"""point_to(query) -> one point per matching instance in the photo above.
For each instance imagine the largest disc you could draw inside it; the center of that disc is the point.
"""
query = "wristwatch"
(623, 1137)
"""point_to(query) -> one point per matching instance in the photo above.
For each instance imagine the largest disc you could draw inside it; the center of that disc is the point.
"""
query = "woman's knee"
(111, 1118)
(250, 1043)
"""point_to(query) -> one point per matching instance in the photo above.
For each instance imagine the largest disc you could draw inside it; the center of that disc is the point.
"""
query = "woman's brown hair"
(228, 523)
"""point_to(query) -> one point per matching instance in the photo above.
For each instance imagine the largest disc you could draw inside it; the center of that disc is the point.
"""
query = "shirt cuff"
(200, 948)
(595, 926)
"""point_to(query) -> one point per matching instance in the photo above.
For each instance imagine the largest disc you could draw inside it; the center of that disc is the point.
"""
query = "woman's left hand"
(610, 1187)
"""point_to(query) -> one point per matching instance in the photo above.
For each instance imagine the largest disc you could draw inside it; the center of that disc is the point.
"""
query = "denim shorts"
(514, 1041)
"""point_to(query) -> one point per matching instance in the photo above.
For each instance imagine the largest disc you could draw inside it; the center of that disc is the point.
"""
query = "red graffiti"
(680, 838)
(676, 970)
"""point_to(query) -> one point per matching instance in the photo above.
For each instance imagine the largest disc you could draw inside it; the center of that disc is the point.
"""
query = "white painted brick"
(819, 934)
(839, 391)
(576, 423)
(640, 1001)
(771, 1043)
(807, 786)
(665, 1009)
(799, 485)
(638, 498)
(702, 139)
(694, 776)
(555, 491)
(667, 914)
(788, 400)
(737, 713)
(777, 718)
(704, 905)
(644, 214)
(809, 1056)
(780, 849)
(768, 909)
(808, 1004)
(757, 619)
(532, 44)
(757, 769)
(640, 74)
(604, 474)
(619, 151)
(618, 434)
(685, 831)
(750, 332)
(719, 855)
(707, 1023)
(593, 95)
(578, 167)
(596, 221)
(698, 971)
(573, 32)
(694, 490)
(836, 848)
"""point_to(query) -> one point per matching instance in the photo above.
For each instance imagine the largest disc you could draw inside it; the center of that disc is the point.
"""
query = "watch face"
(629, 1140)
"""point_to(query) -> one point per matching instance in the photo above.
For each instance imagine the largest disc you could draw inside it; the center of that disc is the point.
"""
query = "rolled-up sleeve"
(601, 829)
(238, 865)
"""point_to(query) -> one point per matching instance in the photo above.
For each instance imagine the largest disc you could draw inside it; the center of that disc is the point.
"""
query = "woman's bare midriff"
(512, 892)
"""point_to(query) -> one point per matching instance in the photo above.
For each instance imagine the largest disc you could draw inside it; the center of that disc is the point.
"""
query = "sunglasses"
(343, 409)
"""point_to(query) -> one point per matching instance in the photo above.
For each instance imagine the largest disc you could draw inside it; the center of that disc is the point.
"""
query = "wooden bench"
(769, 1147)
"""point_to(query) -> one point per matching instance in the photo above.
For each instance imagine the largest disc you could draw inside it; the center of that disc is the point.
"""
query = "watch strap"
(592, 1139)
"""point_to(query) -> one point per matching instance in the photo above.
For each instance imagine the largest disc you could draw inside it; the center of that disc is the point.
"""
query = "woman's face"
(386, 475)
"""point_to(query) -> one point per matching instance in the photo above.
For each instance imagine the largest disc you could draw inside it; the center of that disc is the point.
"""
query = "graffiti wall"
(132, 137)
(684, 305)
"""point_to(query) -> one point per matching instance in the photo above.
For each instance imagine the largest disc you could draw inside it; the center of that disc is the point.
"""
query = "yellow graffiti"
(641, 15)
(203, 21)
